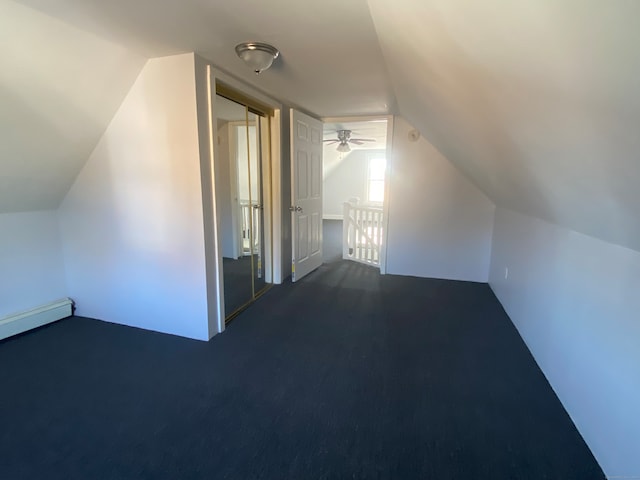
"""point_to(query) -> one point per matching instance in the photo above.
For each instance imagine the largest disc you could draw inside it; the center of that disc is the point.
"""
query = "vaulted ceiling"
(536, 101)
(59, 88)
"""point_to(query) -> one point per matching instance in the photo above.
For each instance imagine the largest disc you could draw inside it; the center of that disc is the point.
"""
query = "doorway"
(355, 171)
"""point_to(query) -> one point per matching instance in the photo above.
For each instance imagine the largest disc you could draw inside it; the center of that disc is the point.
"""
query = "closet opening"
(242, 173)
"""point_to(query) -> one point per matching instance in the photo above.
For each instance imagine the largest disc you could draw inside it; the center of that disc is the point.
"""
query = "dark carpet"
(345, 374)
(331, 240)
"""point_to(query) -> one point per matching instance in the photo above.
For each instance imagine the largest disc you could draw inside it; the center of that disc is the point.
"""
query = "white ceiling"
(330, 61)
(59, 88)
(536, 101)
(375, 130)
(369, 129)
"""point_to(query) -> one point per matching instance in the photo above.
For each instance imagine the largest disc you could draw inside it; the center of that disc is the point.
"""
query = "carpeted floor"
(331, 240)
(345, 374)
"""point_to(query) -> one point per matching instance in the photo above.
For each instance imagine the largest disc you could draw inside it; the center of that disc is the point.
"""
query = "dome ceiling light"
(259, 56)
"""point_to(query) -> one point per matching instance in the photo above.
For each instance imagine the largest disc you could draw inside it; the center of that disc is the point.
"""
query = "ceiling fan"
(344, 139)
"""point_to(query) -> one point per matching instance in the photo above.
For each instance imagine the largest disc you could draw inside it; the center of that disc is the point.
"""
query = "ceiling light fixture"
(343, 147)
(344, 139)
(259, 56)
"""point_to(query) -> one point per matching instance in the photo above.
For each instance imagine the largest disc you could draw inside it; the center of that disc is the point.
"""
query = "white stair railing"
(362, 233)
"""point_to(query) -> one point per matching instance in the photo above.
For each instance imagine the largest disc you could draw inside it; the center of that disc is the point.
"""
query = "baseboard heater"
(36, 317)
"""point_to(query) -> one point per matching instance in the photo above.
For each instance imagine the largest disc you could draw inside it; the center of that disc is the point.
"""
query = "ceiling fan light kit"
(259, 56)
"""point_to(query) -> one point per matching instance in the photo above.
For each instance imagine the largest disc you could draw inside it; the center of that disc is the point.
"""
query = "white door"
(306, 194)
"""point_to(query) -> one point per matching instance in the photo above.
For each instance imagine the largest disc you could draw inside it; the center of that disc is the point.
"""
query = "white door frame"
(387, 175)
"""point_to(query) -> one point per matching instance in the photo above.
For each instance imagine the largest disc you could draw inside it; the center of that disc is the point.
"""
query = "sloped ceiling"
(537, 101)
(59, 88)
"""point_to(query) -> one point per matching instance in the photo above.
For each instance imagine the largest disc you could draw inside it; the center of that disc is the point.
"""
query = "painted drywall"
(575, 302)
(59, 88)
(347, 179)
(331, 158)
(132, 224)
(247, 171)
(440, 224)
(31, 265)
(536, 101)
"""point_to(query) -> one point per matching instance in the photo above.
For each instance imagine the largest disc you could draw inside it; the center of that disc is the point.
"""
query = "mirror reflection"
(239, 197)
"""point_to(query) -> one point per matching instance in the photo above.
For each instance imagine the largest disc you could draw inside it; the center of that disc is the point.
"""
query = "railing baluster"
(356, 236)
(365, 229)
(359, 234)
(378, 225)
(378, 237)
(370, 232)
(346, 224)
(374, 236)
(366, 238)
(362, 233)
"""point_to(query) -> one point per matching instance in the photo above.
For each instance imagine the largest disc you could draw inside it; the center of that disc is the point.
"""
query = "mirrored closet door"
(239, 195)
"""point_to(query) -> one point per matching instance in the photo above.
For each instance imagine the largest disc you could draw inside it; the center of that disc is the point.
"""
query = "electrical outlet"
(506, 273)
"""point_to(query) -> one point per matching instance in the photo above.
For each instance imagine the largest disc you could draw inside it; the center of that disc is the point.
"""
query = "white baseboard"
(22, 321)
(328, 216)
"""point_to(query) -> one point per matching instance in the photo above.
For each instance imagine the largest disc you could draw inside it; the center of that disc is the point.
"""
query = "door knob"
(258, 207)
(295, 208)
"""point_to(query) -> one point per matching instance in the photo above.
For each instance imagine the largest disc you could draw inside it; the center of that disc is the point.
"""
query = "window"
(375, 179)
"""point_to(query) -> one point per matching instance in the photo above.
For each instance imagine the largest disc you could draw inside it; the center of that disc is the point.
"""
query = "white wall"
(440, 225)
(575, 301)
(247, 172)
(132, 223)
(346, 179)
(31, 266)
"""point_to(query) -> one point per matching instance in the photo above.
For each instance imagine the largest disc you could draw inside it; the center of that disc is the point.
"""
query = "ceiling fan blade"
(362, 140)
(331, 142)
